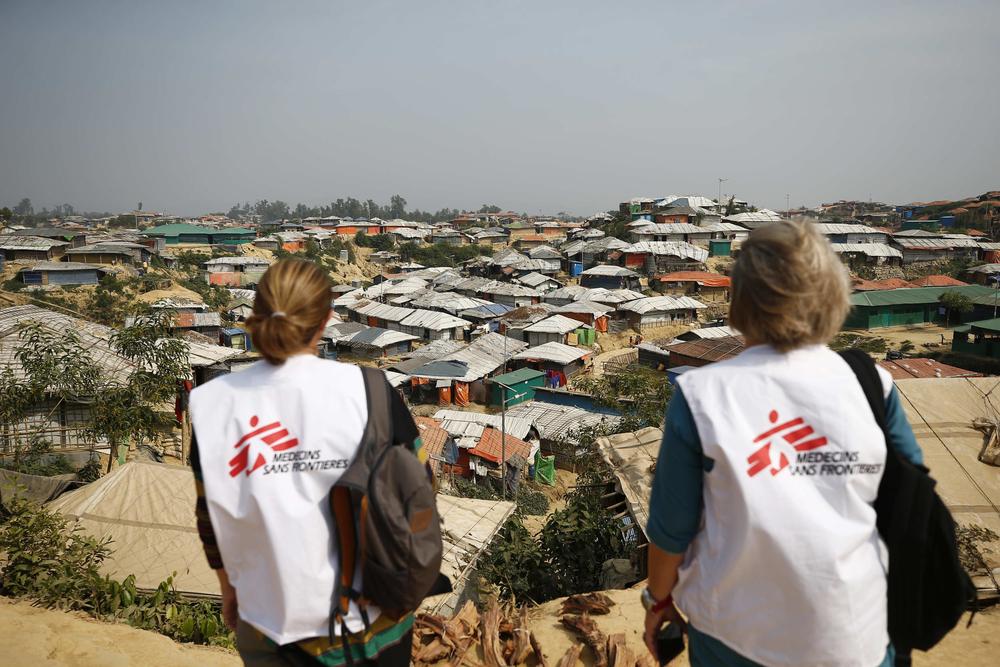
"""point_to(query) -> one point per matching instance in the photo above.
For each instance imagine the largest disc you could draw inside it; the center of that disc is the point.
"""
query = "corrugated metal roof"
(382, 311)
(614, 271)
(93, 337)
(830, 228)
(237, 261)
(571, 292)
(711, 349)
(433, 320)
(588, 307)
(711, 332)
(451, 302)
(377, 337)
(480, 358)
(507, 289)
(556, 324)
(662, 303)
(755, 216)
(557, 422)
(669, 229)
(452, 419)
(869, 249)
(398, 286)
(533, 280)
(533, 265)
(669, 248)
(915, 295)
(65, 266)
(941, 244)
(520, 375)
(29, 243)
(544, 252)
(610, 296)
(554, 352)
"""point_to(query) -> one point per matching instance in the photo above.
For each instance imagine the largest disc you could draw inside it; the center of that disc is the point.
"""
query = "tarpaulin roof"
(147, 509)
(705, 278)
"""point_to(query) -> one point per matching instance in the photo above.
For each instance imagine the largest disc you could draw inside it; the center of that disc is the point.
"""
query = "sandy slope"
(978, 645)
(32, 637)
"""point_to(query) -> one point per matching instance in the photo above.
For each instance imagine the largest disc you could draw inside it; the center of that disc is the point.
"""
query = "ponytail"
(292, 304)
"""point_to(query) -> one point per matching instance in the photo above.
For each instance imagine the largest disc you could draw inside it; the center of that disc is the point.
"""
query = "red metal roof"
(903, 369)
(870, 285)
(489, 446)
(937, 281)
(709, 349)
(432, 438)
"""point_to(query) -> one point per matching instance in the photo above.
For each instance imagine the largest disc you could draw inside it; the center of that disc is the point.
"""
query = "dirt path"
(31, 637)
(599, 360)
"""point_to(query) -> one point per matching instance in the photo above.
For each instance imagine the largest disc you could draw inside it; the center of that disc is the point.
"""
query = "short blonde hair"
(292, 304)
(789, 287)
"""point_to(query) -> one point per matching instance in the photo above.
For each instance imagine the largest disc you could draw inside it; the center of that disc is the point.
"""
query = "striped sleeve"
(204, 522)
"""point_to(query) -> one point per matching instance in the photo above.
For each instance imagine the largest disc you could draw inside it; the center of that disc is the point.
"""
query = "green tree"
(397, 207)
(955, 302)
(57, 368)
(6, 214)
(24, 208)
(639, 393)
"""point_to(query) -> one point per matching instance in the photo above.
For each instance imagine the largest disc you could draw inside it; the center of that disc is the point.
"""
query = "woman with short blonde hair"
(761, 521)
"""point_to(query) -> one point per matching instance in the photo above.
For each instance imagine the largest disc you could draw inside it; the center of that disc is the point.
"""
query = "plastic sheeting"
(461, 393)
(631, 456)
(545, 469)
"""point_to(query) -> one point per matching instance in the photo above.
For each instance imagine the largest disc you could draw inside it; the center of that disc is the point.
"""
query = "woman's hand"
(655, 621)
(230, 609)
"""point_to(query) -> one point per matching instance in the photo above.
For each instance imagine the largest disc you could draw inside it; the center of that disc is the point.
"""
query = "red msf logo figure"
(791, 436)
(272, 435)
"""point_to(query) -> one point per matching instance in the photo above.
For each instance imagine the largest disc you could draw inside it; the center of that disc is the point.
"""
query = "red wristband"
(662, 604)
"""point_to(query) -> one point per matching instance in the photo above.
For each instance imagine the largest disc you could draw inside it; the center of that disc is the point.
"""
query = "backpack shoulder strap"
(347, 499)
(378, 431)
(868, 377)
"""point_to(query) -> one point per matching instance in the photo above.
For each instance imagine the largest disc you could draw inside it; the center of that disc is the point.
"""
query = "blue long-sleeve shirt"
(676, 501)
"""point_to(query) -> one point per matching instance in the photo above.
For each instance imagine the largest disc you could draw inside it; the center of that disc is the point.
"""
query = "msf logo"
(272, 435)
(791, 436)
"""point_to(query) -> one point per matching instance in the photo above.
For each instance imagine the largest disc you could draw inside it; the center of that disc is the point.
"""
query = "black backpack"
(929, 590)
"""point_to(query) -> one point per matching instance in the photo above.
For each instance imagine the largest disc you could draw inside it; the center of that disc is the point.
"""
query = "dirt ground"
(978, 645)
(924, 336)
(565, 480)
(32, 637)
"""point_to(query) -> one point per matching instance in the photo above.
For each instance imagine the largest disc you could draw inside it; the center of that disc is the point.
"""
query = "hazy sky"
(536, 105)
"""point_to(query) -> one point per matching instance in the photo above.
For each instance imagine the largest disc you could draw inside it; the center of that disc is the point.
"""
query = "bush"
(36, 458)
(566, 557)
(529, 500)
(59, 567)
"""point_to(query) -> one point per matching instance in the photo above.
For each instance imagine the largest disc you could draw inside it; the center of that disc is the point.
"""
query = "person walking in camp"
(761, 522)
(315, 506)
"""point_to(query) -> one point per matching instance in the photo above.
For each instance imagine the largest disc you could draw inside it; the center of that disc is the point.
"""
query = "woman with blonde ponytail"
(269, 444)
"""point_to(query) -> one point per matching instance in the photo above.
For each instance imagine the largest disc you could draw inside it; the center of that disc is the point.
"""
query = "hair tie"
(278, 313)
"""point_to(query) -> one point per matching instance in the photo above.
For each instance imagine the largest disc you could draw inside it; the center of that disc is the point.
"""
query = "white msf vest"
(273, 440)
(788, 567)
